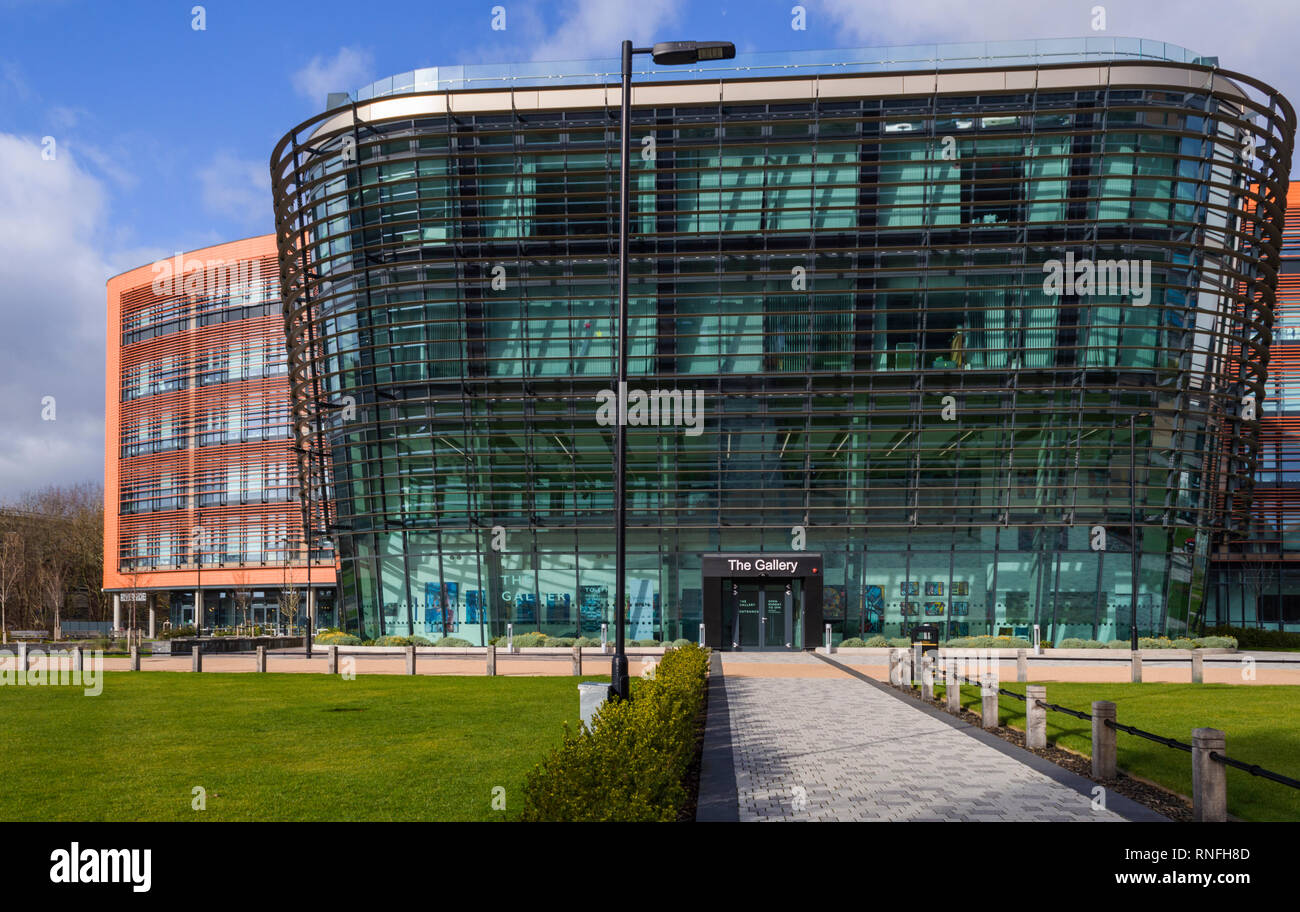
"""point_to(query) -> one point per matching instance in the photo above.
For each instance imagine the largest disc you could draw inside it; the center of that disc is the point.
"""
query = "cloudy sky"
(161, 132)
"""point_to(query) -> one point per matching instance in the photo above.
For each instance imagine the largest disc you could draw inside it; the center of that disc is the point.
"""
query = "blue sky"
(162, 133)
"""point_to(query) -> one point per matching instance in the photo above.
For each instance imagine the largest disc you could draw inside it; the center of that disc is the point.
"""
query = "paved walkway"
(821, 746)
(1267, 668)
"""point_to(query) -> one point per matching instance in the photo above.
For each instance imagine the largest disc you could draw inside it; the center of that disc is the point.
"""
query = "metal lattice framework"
(833, 262)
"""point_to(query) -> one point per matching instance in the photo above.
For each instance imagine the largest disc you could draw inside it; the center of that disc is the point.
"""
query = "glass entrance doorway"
(763, 614)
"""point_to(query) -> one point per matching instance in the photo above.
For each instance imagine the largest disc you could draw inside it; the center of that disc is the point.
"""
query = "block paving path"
(818, 747)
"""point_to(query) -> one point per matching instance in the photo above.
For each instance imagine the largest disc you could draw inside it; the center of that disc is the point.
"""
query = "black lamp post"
(668, 53)
(1132, 519)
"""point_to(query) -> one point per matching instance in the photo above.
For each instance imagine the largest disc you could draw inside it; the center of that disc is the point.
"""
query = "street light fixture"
(667, 53)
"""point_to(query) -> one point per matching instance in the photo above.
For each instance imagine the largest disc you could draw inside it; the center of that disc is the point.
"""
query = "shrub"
(682, 643)
(1155, 643)
(876, 641)
(1117, 644)
(1256, 637)
(852, 643)
(1215, 642)
(983, 642)
(339, 639)
(529, 640)
(586, 641)
(1077, 643)
(899, 642)
(1184, 643)
(187, 631)
(631, 764)
(643, 643)
(392, 641)
(453, 641)
(556, 642)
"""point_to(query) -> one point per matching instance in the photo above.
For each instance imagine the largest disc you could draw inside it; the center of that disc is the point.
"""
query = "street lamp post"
(666, 53)
(1133, 532)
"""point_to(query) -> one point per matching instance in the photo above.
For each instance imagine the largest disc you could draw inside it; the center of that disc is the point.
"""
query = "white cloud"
(238, 189)
(52, 272)
(595, 28)
(346, 71)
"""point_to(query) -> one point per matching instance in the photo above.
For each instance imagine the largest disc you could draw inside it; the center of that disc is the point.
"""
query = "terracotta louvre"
(196, 431)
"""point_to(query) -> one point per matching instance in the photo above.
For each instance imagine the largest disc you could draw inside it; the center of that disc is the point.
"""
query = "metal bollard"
(1035, 717)
(196, 659)
(604, 638)
(1022, 665)
(988, 703)
(135, 658)
(1198, 668)
(1135, 668)
(1104, 741)
(1209, 776)
(577, 659)
(410, 660)
(261, 658)
(491, 660)
(829, 648)
(702, 643)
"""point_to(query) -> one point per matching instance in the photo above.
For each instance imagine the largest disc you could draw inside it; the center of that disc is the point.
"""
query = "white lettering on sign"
(779, 566)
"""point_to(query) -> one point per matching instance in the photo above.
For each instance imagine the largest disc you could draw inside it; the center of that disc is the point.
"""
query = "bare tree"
(12, 559)
(243, 595)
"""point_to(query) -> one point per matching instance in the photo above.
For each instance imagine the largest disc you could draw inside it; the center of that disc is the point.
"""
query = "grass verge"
(278, 746)
(1260, 722)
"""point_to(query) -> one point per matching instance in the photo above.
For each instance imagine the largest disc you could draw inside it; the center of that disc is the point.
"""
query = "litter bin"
(927, 637)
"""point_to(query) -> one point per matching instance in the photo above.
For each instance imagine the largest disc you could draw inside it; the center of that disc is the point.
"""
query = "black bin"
(927, 637)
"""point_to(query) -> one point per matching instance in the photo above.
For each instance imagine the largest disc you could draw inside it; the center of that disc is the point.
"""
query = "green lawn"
(1261, 722)
(277, 746)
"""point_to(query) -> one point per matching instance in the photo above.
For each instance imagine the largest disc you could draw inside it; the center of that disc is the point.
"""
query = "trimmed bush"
(682, 642)
(336, 638)
(647, 643)
(585, 641)
(875, 642)
(187, 631)
(554, 642)
(899, 642)
(528, 640)
(631, 765)
(453, 641)
(1184, 643)
(1076, 643)
(1215, 642)
(852, 643)
(1117, 644)
(1255, 637)
(984, 642)
(1155, 643)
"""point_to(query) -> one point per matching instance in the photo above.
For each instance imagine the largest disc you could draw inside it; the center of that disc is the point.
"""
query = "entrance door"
(761, 615)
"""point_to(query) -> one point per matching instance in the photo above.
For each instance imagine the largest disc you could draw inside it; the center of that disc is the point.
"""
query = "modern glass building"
(201, 503)
(960, 335)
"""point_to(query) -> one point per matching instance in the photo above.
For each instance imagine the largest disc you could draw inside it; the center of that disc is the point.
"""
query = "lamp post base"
(619, 684)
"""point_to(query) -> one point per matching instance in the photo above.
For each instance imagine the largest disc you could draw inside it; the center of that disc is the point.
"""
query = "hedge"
(631, 764)
(1256, 637)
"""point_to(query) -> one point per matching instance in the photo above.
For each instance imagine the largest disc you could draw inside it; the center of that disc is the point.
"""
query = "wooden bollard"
(333, 666)
(491, 660)
(196, 659)
(410, 660)
(1209, 776)
(1104, 740)
(261, 658)
(577, 659)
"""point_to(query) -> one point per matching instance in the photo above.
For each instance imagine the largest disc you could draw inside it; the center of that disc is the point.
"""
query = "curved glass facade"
(917, 311)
